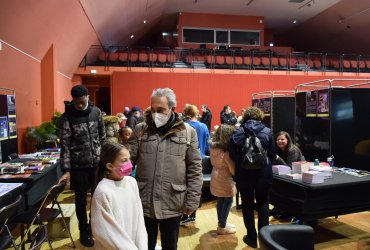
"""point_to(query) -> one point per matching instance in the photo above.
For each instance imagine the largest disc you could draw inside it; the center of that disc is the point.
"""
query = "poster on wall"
(264, 104)
(3, 127)
(11, 104)
(311, 103)
(12, 126)
(323, 103)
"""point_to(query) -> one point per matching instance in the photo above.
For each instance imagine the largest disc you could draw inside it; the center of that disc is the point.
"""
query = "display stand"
(8, 124)
(279, 109)
(332, 118)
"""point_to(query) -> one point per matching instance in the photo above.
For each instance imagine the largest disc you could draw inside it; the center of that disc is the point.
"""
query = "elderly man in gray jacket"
(169, 169)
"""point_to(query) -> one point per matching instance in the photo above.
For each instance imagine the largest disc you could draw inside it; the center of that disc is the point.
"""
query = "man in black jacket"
(82, 134)
(206, 117)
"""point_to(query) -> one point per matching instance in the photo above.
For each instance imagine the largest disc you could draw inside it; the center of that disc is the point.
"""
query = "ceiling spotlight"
(295, 21)
(93, 71)
(132, 36)
(271, 44)
(144, 21)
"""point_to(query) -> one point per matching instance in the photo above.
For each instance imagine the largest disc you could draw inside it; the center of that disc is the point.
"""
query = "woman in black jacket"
(286, 151)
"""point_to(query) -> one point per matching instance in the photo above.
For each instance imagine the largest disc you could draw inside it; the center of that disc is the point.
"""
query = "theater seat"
(286, 236)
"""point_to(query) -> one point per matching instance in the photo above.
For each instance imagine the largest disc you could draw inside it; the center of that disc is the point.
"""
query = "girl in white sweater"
(117, 219)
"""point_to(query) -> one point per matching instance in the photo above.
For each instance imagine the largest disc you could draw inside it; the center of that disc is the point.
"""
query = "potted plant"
(45, 135)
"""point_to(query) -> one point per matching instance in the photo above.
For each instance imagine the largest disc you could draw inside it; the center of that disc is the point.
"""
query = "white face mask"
(160, 119)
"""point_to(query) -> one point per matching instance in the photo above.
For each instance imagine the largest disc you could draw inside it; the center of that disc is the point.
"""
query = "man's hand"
(65, 178)
(188, 212)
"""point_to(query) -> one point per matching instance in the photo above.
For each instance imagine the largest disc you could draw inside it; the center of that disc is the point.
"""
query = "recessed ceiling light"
(144, 21)
(271, 44)
(295, 21)
(93, 71)
(132, 36)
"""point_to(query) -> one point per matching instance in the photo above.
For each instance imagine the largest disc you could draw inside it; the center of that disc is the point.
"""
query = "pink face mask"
(126, 168)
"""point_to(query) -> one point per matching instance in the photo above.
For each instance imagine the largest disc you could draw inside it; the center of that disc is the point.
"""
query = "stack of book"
(281, 169)
(313, 177)
(325, 170)
(12, 168)
(299, 167)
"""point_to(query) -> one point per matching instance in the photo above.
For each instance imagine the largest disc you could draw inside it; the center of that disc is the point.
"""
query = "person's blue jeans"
(223, 209)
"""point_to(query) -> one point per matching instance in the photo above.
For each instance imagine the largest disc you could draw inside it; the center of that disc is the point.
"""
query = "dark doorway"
(99, 91)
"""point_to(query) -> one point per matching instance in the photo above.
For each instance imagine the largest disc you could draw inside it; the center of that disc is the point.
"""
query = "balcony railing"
(237, 59)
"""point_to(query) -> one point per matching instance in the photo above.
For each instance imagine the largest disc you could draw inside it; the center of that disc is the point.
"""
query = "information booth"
(8, 124)
(332, 118)
(279, 109)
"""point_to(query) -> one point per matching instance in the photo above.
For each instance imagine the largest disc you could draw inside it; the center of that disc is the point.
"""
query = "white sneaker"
(226, 230)
(158, 247)
(230, 225)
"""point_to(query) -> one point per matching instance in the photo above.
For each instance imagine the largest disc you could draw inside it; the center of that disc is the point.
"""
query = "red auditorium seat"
(162, 58)
(317, 64)
(113, 57)
(171, 58)
(361, 64)
(346, 64)
(283, 62)
(229, 60)
(103, 56)
(220, 60)
(210, 60)
(247, 60)
(134, 56)
(293, 62)
(238, 60)
(265, 61)
(274, 62)
(353, 64)
(123, 56)
(143, 57)
(367, 62)
(256, 61)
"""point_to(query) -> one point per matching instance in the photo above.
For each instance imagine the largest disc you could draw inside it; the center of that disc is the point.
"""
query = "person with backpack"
(252, 148)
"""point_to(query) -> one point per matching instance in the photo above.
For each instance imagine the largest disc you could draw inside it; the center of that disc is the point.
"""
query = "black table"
(341, 194)
(35, 186)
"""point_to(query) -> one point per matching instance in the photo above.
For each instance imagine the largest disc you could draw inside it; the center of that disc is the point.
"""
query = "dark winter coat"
(82, 134)
(207, 119)
(243, 176)
(229, 119)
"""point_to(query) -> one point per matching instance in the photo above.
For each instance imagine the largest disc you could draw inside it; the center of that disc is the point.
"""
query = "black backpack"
(254, 155)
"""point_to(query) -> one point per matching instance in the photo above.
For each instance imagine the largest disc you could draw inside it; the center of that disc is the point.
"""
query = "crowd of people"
(152, 161)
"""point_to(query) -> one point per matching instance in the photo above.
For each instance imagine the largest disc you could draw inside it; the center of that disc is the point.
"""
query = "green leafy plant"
(46, 134)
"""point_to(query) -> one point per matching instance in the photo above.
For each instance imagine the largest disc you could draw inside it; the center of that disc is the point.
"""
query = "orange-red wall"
(214, 89)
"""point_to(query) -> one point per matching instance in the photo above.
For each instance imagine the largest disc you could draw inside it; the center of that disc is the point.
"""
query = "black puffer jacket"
(82, 134)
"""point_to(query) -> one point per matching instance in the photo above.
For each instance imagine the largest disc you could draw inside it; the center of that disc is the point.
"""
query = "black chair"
(286, 237)
(6, 214)
(40, 214)
(40, 235)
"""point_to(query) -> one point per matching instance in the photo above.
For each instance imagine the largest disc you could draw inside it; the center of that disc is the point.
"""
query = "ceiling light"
(144, 21)
(132, 36)
(295, 21)
(271, 44)
(93, 71)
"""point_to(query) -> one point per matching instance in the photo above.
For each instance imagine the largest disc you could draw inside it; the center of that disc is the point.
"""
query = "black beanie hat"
(79, 90)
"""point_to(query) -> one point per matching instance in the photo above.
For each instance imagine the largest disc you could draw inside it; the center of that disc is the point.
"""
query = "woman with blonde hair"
(191, 117)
